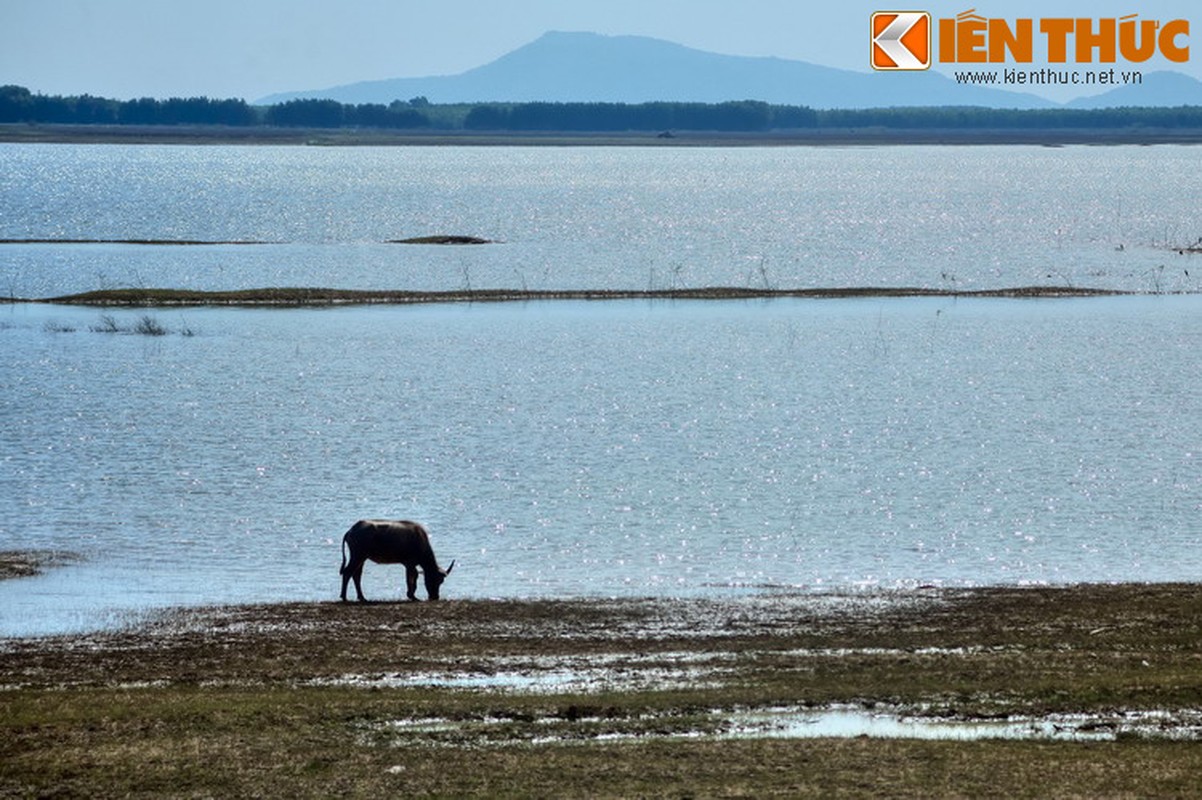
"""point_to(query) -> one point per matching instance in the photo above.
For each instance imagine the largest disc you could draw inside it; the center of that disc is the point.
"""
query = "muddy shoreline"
(27, 563)
(1100, 685)
(723, 642)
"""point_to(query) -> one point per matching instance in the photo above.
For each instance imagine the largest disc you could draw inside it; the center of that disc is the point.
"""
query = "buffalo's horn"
(448, 572)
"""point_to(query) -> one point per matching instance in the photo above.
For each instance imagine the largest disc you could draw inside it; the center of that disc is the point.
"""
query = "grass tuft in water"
(107, 324)
(149, 326)
(146, 325)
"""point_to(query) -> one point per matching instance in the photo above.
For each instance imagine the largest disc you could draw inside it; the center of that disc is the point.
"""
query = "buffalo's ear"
(448, 572)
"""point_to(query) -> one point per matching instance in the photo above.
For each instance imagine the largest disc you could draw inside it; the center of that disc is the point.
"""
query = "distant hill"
(1156, 89)
(589, 67)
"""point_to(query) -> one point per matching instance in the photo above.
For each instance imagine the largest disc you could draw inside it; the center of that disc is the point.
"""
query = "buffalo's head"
(434, 579)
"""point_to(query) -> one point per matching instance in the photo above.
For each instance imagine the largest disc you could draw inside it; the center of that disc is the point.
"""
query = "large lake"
(608, 448)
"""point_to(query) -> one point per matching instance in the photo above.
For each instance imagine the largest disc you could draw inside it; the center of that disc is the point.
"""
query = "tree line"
(743, 115)
(19, 105)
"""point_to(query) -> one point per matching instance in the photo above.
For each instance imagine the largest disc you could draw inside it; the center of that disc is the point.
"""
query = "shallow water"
(586, 449)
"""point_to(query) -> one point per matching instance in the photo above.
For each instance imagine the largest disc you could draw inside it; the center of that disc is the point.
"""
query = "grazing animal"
(386, 541)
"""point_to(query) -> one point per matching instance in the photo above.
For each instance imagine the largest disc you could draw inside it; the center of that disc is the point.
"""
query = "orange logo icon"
(901, 40)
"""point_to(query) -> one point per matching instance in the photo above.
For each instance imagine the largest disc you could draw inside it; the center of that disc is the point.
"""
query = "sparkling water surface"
(607, 448)
(585, 217)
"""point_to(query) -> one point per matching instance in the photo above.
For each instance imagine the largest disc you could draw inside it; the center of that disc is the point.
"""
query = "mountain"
(1156, 89)
(589, 67)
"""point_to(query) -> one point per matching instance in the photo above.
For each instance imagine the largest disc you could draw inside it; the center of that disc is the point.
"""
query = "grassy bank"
(317, 296)
(608, 698)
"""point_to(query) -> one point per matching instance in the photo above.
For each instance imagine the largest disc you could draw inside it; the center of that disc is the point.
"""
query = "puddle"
(595, 673)
(849, 723)
(846, 722)
(561, 675)
(558, 675)
(550, 681)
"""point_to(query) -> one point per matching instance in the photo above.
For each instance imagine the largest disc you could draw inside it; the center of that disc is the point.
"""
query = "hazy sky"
(251, 48)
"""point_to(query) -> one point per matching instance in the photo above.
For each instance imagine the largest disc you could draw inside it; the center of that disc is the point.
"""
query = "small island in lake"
(441, 239)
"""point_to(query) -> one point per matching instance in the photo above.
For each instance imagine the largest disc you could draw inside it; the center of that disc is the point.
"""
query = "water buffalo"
(387, 541)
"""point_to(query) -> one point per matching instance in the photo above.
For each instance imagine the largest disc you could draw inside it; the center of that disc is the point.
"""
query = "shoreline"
(350, 137)
(516, 697)
(983, 622)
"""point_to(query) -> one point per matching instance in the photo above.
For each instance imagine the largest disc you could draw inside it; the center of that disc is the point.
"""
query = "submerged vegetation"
(145, 325)
(482, 698)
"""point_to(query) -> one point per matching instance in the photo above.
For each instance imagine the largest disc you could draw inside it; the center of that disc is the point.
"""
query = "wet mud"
(27, 563)
(1023, 657)
(1025, 692)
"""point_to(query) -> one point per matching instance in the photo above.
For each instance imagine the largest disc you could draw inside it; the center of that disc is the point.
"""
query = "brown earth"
(552, 697)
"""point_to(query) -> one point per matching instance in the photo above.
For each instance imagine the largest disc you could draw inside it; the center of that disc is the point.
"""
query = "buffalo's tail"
(342, 569)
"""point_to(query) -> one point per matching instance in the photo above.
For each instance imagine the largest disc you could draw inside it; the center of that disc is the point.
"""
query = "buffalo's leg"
(353, 570)
(411, 581)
